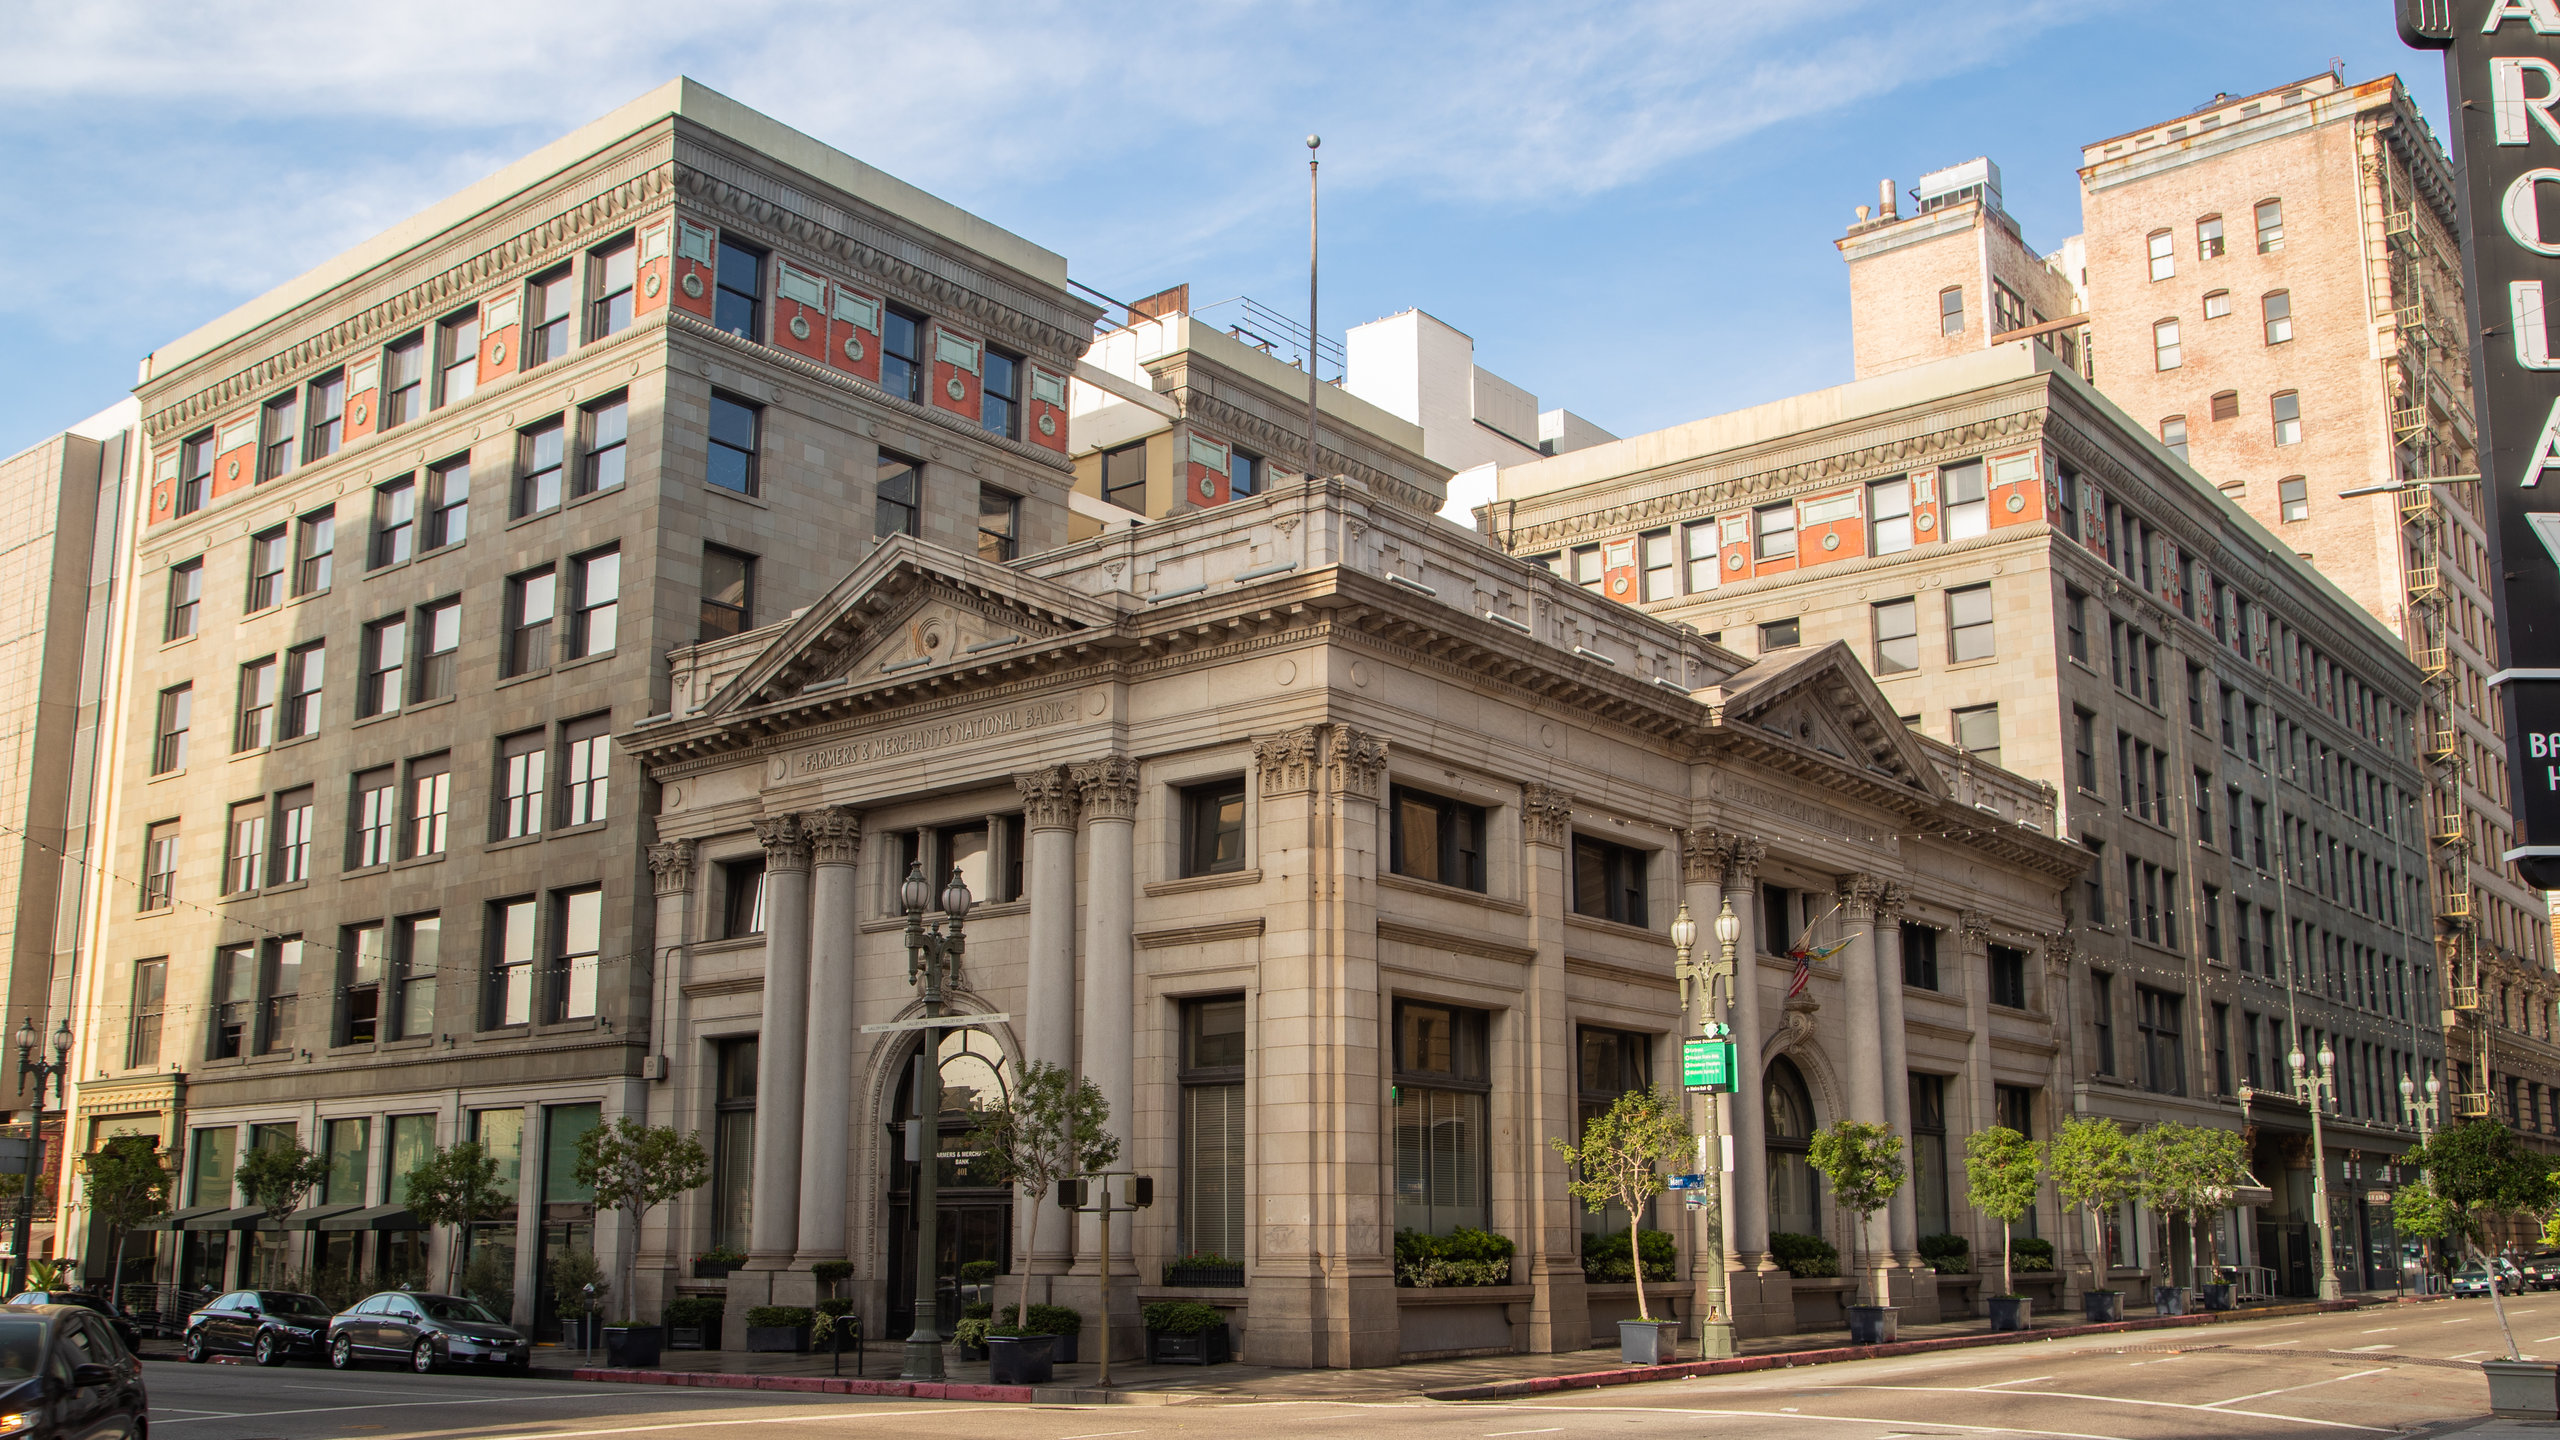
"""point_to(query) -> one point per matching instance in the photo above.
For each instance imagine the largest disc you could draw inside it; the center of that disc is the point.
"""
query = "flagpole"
(1312, 452)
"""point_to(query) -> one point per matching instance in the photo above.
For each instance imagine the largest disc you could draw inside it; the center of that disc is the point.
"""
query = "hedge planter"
(693, 1337)
(2215, 1297)
(1648, 1342)
(1210, 1347)
(1064, 1352)
(2169, 1300)
(632, 1347)
(1020, 1359)
(1204, 1277)
(2523, 1389)
(778, 1339)
(2010, 1312)
(2102, 1307)
(712, 1269)
(1872, 1324)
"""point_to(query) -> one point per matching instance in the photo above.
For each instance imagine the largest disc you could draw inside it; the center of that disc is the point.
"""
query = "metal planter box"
(778, 1339)
(1648, 1342)
(1210, 1347)
(1873, 1324)
(2523, 1389)
(2010, 1312)
(632, 1347)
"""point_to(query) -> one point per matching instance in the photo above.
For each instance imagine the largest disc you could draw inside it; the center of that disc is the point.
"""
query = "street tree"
(2192, 1171)
(2092, 1163)
(635, 1168)
(1863, 1162)
(1618, 1162)
(1051, 1128)
(127, 1181)
(2000, 1171)
(457, 1186)
(2478, 1174)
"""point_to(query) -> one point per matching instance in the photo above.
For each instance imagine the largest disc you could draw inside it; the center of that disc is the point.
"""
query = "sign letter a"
(2542, 15)
(2546, 451)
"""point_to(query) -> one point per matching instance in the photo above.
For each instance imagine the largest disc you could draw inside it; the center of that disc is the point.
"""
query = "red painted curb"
(809, 1385)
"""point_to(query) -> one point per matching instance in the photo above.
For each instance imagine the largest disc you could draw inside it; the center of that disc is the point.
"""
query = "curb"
(800, 1384)
(1788, 1360)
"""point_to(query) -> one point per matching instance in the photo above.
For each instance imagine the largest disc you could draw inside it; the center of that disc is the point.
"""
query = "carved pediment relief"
(1826, 703)
(937, 630)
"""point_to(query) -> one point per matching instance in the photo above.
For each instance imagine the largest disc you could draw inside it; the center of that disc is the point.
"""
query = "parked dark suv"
(65, 1375)
(272, 1326)
(426, 1332)
(2542, 1270)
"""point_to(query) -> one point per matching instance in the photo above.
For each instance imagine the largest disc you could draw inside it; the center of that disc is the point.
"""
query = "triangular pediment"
(1825, 701)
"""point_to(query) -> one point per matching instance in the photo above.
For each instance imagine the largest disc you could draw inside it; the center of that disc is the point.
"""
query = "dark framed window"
(1897, 626)
(532, 602)
(1213, 828)
(1951, 310)
(728, 592)
(2009, 977)
(457, 358)
(279, 993)
(1608, 1064)
(395, 522)
(1919, 955)
(275, 436)
(586, 767)
(1969, 628)
(734, 444)
(257, 705)
(266, 569)
(404, 380)
(1438, 1097)
(2102, 1019)
(1795, 1190)
(439, 649)
(294, 816)
(2221, 1048)
(902, 368)
(2160, 1015)
(549, 303)
(522, 785)
(381, 664)
(160, 865)
(195, 472)
(169, 729)
(737, 304)
(363, 955)
(595, 596)
(607, 428)
(577, 958)
(1928, 1096)
(733, 1139)
(1609, 881)
(999, 524)
(540, 454)
(324, 416)
(1124, 476)
(306, 668)
(1000, 394)
(1244, 473)
(430, 807)
(611, 271)
(186, 598)
(1773, 529)
(742, 897)
(373, 810)
(507, 990)
(315, 539)
(235, 999)
(1435, 838)
(1977, 732)
(897, 506)
(1781, 634)
(448, 504)
(149, 1002)
(1213, 1127)
(2084, 749)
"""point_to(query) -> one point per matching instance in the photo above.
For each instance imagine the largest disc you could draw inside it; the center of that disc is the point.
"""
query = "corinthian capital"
(1742, 857)
(1546, 813)
(1702, 855)
(785, 841)
(1286, 761)
(1890, 899)
(1048, 799)
(671, 866)
(1108, 786)
(835, 835)
(1354, 759)
(1860, 896)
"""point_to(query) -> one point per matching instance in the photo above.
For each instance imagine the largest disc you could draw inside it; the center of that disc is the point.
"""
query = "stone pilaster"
(773, 1222)
(1901, 1212)
(1550, 1226)
(1107, 792)
(826, 1141)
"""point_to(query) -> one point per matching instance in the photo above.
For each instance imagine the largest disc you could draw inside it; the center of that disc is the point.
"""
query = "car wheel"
(268, 1351)
(423, 1358)
(342, 1354)
(197, 1354)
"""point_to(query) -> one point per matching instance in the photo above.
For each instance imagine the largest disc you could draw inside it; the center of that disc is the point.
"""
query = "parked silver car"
(427, 1332)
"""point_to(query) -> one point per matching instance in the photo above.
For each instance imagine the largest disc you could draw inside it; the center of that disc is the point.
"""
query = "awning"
(179, 1219)
(379, 1217)
(2252, 1192)
(310, 1216)
(247, 1217)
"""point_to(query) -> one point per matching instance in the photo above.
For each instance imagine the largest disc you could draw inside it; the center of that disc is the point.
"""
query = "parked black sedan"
(272, 1326)
(427, 1332)
(65, 1375)
(126, 1330)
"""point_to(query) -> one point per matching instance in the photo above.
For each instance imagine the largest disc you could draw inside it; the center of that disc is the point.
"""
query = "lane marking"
(2120, 1400)
(2030, 1380)
(1489, 1435)
(2459, 1320)
(2289, 1389)
(2467, 1354)
(184, 1410)
(1097, 1434)
(1788, 1413)
(2385, 1345)
(2383, 1330)
(909, 1412)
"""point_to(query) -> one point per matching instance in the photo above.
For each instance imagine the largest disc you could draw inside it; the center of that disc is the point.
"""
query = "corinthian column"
(1049, 999)
(1559, 1309)
(835, 843)
(1108, 789)
(773, 1223)
(1865, 1018)
(1902, 1211)
(1741, 885)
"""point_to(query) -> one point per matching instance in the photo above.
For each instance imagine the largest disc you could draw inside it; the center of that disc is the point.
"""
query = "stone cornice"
(1217, 414)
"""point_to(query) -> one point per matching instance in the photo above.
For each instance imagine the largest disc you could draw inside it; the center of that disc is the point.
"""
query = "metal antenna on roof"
(1312, 332)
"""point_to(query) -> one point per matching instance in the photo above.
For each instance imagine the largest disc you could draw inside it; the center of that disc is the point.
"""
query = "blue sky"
(1631, 207)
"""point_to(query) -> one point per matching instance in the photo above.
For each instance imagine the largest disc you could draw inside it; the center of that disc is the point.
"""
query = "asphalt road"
(2378, 1372)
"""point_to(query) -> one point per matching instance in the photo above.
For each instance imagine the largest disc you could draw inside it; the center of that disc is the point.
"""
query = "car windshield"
(21, 1343)
(286, 1302)
(454, 1307)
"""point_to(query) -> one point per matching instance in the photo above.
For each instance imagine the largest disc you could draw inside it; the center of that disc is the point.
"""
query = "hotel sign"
(2502, 84)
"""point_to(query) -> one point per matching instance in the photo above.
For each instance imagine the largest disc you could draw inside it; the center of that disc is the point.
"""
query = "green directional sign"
(1706, 1065)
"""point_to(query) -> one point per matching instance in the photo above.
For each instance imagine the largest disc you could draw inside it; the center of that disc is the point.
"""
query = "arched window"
(2270, 226)
(2173, 433)
(2217, 303)
(2226, 405)
(1794, 1197)
(2286, 409)
(2163, 248)
(2278, 305)
(2293, 498)
(2209, 244)
(2164, 345)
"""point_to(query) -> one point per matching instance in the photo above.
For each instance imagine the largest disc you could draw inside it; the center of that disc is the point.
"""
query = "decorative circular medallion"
(1618, 586)
(651, 286)
(233, 473)
(1733, 561)
(1288, 672)
(2017, 502)
(1359, 673)
(692, 285)
(853, 347)
(1048, 423)
(1208, 487)
(1926, 523)
(1831, 541)
(953, 388)
(498, 352)
(799, 327)
(360, 412)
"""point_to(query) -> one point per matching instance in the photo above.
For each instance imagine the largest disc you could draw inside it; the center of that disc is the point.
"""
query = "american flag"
(1804, 954)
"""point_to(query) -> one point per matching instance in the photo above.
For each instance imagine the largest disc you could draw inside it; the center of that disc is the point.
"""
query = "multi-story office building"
(421, 528)
(2038, 582)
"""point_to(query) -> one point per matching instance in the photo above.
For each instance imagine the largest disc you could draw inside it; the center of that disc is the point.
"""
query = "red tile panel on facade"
(956, 367)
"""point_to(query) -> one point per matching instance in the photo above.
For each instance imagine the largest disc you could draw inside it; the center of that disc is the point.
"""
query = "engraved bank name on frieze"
(920, 738)
(1831, 822)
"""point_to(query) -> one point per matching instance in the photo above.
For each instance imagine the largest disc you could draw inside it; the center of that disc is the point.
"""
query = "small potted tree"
(2092, 1164)
(1049, 1129)
(578, 1289)
(2192, 1171)
(634, 1168)
(456, 1186)
(278, 1176)
(1061, 1323)
(2474, 1173)
(1863, 1162)
(1618, 1163)
(2000, 1169)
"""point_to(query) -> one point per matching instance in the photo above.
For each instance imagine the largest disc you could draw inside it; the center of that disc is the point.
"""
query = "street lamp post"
(2314, 1088)
(1698, 997)
(40, 1071)
(2424, 1117)
(933, 962)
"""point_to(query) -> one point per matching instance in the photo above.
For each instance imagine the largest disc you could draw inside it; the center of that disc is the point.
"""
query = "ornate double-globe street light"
(1700, 994)
(933, 963)
(2314, 1088)
(40, 1071)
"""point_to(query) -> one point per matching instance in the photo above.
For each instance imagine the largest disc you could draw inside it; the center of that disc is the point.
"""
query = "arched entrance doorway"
(974, 1220)
(1794, 1197)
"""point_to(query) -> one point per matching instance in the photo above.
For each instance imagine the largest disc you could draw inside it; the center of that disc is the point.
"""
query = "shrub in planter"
(1184, 1332)
(971, 1336)
(1807, 1257)
(693, 1322)
(1207, 1267)
(977, 1310)
(778, 1328)
(1947, 1254)
(1057, 1321)
(978, 1272)
(2031, 1256)
(1604, 1257)
(716, 1262)
(1462, 1257)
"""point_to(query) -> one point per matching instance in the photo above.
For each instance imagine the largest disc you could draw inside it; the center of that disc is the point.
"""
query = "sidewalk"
(1481, 1378)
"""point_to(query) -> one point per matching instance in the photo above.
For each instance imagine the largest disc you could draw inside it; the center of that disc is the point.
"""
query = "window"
(1781, 634)
(395, 516)
(1608, 881)
(2209, 242)
(2162, 249)
(1000, 394)
(1888, 517)
(380, 661)
(1661, 564)
(186, 598)
(607, 425)
(2293, 498)
(733, 1137)
(579, 926)
(897, 496)
(324, 414)
(235, 992)
(521, 784)
(538, 462)
(1951, 310)
(275, 436)
(1787, 1112)
(1438, 1098)
(160, 865)
(2217, 303)
(731, 464)
(292, 860)
(257, 705)
(2203, 834)
(1969, 630)
(245, 856)
(1213, 828)
(999, 524)
(2231, 813)
(1897, 627)
(532, 600)
(2093, 885)
(2075, 624)
(1977, 732)
(2270, 226)
(1586, 569)
(439, 649)
(509, 997)
(1124, 477)
(2226, 405)
(2173, 435)
(1609, 1064)
(266, 569)
(1774, 529)
(430, 803)
(457, 358)
(2084, 749)
(1919, 955)
(2009, 977)
(1968, 505)
(2287, 410)
(2164, 345)
(587, 764)
(1928, 1100)
(742, 898)
(1436, 839)
(314, 538)
(195, 472)
(150, 998)
(902, 369)
(1244, 473)
(2164, 1061)
(548, 305)
(728, 592)
(2278, 305)
(2008, 312)
(1698, 541)
(448, 503)
(2213, 924)
(611, 270)
(373, 806)
(1213, 1126)
(737, 302)
(404, 381)
(305, 667)
(595, 584)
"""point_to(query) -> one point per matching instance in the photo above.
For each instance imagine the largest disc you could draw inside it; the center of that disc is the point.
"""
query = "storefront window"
(1438, 1109)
